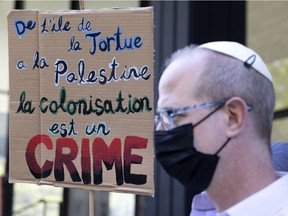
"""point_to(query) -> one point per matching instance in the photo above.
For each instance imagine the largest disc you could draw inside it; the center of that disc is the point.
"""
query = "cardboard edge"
(149, 10)
(102, 10)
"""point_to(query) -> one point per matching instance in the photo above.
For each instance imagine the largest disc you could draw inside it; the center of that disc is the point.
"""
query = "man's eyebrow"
(165, 109)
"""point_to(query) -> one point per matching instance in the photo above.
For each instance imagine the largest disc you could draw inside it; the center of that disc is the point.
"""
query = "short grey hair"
(225, 77)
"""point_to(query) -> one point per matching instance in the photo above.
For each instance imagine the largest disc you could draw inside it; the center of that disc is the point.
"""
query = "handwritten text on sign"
(84, 80)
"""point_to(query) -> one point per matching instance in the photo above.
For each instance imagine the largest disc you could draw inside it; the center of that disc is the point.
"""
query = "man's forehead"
(184, 67)
(178, 81)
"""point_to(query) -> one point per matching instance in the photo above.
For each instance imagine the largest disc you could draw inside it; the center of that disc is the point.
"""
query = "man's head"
(208, 96)
(220, 71)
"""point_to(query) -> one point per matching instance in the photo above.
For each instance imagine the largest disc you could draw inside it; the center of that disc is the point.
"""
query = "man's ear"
(237, 112)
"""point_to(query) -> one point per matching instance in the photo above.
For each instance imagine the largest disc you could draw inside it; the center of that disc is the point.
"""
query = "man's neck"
(241, 178)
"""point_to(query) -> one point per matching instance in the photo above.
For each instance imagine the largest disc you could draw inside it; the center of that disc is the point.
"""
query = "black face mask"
(176, 152)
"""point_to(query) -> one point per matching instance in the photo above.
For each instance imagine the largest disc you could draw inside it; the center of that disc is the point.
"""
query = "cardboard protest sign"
(81, 98)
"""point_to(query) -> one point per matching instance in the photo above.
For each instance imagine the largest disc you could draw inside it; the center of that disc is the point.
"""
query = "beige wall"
(267, 33)
(267, 28)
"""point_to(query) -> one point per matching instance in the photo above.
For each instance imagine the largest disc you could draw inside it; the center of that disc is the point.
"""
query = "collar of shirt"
(202, 203)
(265, 202)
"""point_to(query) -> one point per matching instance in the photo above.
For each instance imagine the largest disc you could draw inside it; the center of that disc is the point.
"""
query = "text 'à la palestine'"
(101, 76)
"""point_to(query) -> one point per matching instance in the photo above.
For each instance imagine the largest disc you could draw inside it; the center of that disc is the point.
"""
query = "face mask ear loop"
(209, 115)
(220, 149)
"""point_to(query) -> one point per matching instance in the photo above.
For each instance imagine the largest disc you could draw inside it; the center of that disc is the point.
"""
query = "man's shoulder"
(203, 206)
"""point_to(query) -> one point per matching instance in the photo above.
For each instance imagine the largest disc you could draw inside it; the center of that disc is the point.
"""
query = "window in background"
(267, 33)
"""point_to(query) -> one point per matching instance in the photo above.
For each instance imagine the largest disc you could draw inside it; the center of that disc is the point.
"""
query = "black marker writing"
(97, 129)
(25, 106)
(84, 26)
(21, 65)
(103, 76)
(42, 63)
(74, 45)
(55, 25)
(63, 129)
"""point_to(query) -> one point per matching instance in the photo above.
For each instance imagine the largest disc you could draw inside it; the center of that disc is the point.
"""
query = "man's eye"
(169, 112)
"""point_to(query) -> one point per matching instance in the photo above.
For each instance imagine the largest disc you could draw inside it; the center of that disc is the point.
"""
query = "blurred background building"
(259, 24)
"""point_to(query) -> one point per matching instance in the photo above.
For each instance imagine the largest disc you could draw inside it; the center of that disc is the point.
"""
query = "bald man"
(213, 128)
